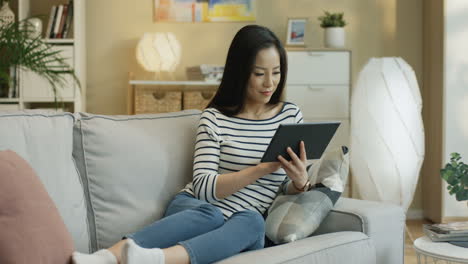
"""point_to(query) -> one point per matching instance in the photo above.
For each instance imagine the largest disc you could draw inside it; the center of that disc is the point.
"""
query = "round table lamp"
(158, 52)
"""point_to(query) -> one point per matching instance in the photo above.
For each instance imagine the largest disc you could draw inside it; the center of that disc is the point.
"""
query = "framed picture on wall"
(296, 31)
(204, 10)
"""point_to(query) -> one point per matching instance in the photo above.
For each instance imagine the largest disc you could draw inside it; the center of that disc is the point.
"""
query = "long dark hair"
(249, 40)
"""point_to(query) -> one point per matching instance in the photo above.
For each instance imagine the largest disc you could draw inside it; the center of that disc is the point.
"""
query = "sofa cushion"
(333, 248)
(332, 169)
(44, 140)
(132, 166)
(32, 230)
(293, 217)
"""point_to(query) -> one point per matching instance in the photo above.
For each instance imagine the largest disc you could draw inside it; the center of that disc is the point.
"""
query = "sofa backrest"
(131, 167)
(44, 140)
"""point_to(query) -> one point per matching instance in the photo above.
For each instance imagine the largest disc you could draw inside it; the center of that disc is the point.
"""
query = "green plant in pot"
(333, 23)
(455, 173)
(18, 50)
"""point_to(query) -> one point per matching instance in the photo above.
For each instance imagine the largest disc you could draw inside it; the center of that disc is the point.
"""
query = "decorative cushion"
(44, 139)
(31, 228)
(293, 217)
(331, 170)
(131, 167)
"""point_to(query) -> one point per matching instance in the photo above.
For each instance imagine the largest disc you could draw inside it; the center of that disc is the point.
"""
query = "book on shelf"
(205, 72)
(63, 18)
(54, 19)
(60, 21)
(446, 232)
(69, 20)
(51, 20)
(57, 21)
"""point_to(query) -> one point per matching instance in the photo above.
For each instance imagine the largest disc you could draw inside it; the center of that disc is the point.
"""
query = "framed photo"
(296, 31)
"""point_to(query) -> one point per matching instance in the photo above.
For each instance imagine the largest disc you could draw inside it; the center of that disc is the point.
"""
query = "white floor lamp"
(387, 133)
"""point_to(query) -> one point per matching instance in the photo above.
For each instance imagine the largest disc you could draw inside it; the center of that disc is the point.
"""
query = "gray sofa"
(111, 175)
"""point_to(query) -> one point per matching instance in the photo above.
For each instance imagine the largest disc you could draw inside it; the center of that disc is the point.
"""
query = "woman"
(220, 213)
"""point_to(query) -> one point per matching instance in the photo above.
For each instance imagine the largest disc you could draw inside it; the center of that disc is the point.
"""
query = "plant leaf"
(18, 49)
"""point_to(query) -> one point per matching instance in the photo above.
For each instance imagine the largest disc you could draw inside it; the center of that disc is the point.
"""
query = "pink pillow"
(31, 229)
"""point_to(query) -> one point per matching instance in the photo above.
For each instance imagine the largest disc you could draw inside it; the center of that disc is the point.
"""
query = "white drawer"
(35, 87)
(9, 107)
(320, 101)
(318, 67)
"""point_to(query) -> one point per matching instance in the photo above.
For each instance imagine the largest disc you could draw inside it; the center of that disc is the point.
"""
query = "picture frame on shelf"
(296, 31)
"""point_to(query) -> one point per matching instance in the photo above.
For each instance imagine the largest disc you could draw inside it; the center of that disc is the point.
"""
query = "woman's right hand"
(268, 167)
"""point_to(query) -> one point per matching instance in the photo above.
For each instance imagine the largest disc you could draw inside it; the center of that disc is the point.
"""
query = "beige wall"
(376, 28)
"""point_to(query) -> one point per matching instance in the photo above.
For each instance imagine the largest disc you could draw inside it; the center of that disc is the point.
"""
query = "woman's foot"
(134, 254)
(102, 256)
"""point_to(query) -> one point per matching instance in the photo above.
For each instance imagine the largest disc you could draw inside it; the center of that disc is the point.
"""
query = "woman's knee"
(256, 225)
(256, 221)
(211, 213)
(181, 202)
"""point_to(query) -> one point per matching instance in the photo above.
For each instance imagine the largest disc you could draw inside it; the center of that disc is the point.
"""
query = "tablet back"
(316, 137)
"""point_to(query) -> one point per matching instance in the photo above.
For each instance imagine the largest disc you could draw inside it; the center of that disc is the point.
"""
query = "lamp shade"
(387, 133)
(158, 52)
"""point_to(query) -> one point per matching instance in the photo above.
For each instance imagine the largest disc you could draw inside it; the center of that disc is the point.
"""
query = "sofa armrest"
(384, 223)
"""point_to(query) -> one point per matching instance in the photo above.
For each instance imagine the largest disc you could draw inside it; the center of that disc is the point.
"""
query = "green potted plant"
(18, 50)
(455, 173)
(333, 23)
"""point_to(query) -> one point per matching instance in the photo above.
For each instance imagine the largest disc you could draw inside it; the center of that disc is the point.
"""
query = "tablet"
(316, 137)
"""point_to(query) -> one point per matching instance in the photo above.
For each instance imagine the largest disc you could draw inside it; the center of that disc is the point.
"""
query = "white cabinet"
(36, 88)
(9, 107)
(320, 101)
(319, 67)
(319, 83)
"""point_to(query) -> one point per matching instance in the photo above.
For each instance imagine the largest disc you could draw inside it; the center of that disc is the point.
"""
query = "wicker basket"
(152, 100)
(197, 99)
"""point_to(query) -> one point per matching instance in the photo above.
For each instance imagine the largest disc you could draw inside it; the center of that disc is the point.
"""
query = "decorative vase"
(334, 37)
(35, 27)
(6, 15)
(387, 133)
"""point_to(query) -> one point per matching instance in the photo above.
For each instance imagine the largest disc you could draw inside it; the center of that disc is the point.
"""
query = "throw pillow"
(331, 170)
(293, 217)
(31, 229)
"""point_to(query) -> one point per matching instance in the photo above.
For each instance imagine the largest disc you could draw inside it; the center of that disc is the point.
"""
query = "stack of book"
(205, 72)
(60, 21)
(449, 232)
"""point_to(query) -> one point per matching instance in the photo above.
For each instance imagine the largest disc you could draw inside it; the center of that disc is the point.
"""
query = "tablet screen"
(316, 137)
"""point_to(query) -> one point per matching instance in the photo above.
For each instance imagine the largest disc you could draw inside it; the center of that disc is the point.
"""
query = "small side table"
(439, 252)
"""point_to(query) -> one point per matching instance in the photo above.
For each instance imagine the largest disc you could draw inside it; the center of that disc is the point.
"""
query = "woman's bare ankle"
(116, 250)
(176, 255)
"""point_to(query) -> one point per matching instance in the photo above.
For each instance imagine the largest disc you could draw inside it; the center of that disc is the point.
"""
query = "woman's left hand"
(296, 169)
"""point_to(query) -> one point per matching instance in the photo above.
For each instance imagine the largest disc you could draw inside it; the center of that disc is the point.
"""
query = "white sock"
(102, 256)
(134, 254)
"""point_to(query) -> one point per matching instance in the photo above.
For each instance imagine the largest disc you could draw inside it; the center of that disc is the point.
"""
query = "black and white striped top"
(229, 144)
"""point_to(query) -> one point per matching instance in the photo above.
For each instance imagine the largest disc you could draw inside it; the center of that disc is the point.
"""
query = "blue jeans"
(201, 229)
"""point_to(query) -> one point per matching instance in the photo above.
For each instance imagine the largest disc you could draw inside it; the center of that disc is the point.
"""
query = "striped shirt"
(229, 144)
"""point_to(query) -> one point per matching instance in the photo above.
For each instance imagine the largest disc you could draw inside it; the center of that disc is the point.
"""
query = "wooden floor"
(414, 231)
